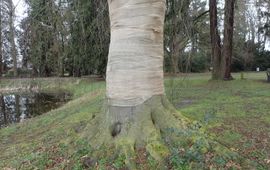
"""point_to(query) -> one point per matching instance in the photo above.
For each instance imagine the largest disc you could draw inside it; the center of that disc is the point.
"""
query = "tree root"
(153, 125)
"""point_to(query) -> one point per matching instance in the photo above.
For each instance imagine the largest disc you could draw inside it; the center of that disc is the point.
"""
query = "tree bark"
(215, 41)
(228, 39)
(135, 62)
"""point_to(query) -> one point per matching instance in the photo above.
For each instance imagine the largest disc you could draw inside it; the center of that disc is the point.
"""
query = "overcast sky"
(20, 8)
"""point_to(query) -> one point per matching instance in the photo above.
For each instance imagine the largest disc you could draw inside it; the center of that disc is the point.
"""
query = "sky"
(20, 8)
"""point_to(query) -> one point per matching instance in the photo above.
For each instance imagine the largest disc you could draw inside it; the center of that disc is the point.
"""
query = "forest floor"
(234, 113)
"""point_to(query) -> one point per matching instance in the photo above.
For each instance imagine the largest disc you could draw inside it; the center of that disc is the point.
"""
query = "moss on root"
(130, 128)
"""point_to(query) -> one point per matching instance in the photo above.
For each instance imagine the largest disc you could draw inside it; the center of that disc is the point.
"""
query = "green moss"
(158, 150)
(230, 137)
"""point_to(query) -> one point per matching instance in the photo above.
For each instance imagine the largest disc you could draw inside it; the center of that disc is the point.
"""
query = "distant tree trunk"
(12, 37)
(1, 44)
(252, 30)
(174, 53)
(192, 53)
(175, 57)
(61, 65)
(215, 41)
(228, 39)
(265, 35)
(35, 71)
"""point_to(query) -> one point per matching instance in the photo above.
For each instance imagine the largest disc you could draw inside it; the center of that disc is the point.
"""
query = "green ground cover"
(236, 114)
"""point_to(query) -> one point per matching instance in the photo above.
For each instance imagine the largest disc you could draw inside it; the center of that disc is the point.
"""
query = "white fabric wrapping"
(135, 62)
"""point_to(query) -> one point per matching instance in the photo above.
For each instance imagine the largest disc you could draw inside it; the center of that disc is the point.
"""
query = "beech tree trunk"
(228, 39)
(135, 62)
(137, 111)
(215, 41)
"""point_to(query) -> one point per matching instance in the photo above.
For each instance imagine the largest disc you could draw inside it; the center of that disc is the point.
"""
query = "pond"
(15, 108)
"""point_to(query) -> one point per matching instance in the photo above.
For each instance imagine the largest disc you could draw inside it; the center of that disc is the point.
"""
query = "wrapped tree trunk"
(136, 109)
(135, 63)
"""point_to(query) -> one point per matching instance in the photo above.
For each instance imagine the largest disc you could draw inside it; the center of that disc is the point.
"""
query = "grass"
(235, 113)
(28, 144)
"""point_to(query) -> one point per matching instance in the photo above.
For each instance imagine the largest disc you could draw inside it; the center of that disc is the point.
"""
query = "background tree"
(215, 41)
(71, 37)
(244, 37)
(1, 40)
(228, 39)
(89, 31)
(12, 32)
(184, 27)
(222, 54)
(24, 42)
(62, 38)
(6, 48)
(176, 34)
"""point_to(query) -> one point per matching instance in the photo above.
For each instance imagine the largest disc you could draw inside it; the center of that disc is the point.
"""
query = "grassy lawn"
(234, 113)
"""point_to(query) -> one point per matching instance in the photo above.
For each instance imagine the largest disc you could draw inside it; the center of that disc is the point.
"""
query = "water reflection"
(18, 107)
